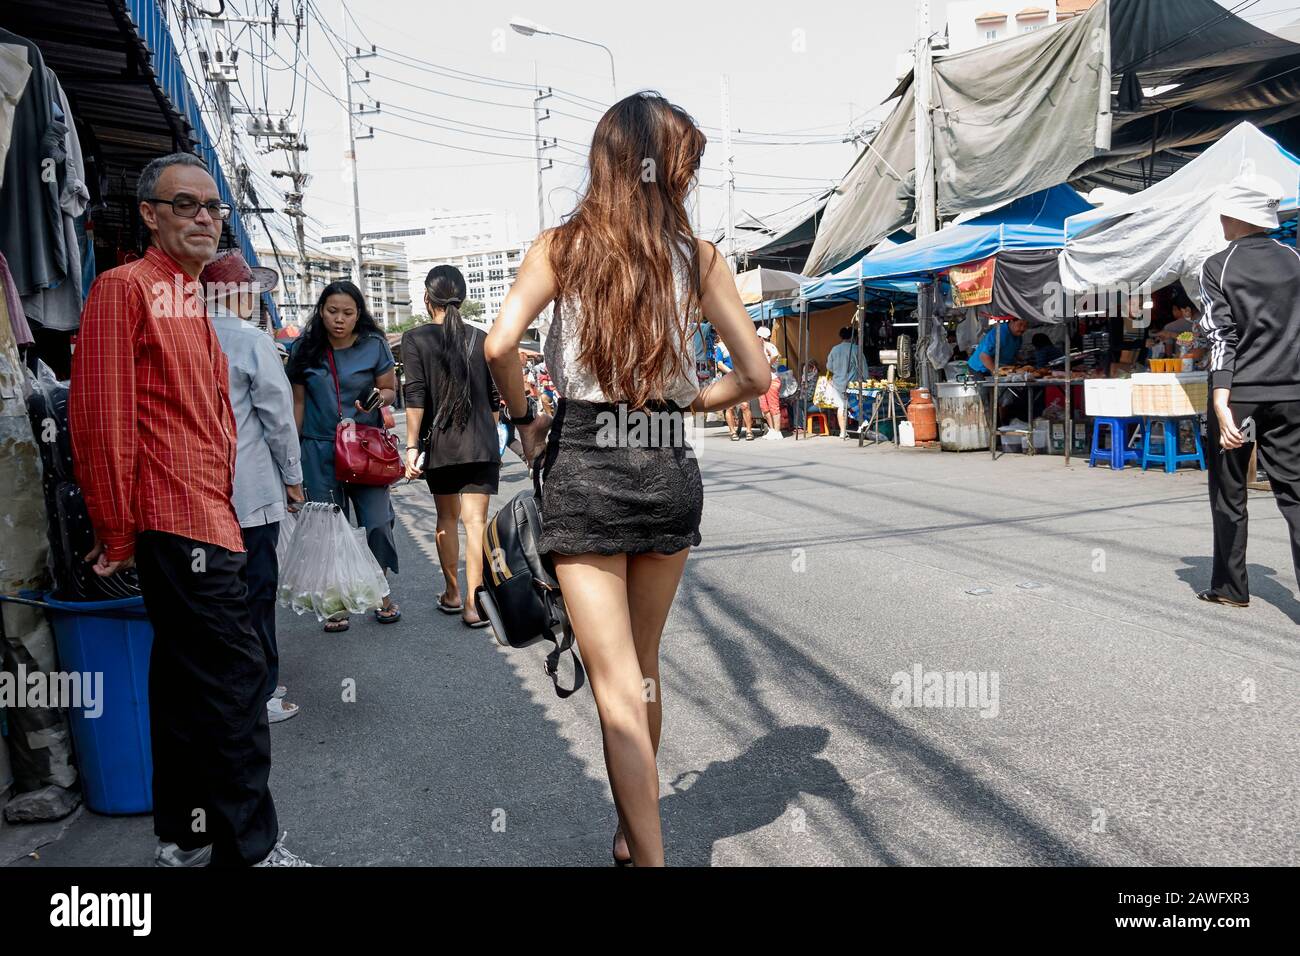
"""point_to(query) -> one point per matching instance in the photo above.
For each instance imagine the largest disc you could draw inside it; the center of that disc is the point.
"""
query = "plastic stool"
(816, 417)
(1168, 453)
(1118, 455)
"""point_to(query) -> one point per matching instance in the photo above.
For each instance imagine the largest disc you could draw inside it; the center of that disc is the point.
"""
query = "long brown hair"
(617, 253)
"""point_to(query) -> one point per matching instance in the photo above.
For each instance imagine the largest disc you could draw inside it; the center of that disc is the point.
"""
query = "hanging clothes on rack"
(58, 307)
(12, 304)
(31, 231)
(14, 73)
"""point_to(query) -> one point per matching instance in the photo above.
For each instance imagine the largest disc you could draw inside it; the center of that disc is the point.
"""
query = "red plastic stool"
(819, 417)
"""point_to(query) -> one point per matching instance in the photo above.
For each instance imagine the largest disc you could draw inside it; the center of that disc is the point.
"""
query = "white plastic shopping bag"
(328, 569)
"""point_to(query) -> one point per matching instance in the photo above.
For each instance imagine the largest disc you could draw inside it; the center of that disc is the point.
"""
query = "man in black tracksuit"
(1251, 292)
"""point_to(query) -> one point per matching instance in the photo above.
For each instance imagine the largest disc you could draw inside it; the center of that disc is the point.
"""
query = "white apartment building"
(489, 273)
(386, 288)
(974, 23)
(483, 243)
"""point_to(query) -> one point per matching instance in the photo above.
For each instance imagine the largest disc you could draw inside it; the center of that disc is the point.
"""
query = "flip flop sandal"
(477, 624)
(337, 627)
(392, 616)
(448, 608)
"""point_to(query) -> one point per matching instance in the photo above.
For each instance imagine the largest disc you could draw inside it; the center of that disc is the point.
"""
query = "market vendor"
(1186, 316)
(1045, 351)
(984, 359)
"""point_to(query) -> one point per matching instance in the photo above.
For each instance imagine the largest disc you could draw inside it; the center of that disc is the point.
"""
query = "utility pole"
(926, 207)
(357, 265)
(293, 207)
(283, 136)
(921, 85)
(540, 145)
(221, 69)
(729, 173)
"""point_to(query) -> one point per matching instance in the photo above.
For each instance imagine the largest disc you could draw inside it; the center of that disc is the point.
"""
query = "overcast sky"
(805, 69)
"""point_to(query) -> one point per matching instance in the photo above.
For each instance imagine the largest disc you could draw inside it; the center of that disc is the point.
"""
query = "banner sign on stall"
(972, 283)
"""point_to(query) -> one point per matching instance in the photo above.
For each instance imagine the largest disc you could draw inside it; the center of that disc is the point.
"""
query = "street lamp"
(528, 28)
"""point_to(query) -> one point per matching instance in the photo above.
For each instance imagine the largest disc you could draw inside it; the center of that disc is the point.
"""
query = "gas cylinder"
(920, 412)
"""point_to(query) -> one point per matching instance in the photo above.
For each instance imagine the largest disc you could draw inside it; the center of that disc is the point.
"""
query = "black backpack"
(520, 595)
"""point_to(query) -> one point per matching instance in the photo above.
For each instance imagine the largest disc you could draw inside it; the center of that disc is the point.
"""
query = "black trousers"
(263, 577)
(207, 701)
(1277, 434)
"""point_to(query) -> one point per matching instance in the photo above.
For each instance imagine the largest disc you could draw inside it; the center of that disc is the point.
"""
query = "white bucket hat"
(1253, 199)
(764, 332)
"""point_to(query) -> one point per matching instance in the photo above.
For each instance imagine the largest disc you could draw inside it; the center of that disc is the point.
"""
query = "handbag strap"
(338, 395)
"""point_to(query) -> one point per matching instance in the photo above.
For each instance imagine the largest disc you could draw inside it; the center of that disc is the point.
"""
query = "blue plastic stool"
(1168, 453)
(1118, 454)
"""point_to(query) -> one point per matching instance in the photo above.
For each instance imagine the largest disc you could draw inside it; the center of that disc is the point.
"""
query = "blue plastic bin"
(113, 751)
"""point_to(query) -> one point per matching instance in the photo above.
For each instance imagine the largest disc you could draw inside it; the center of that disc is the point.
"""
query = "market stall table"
(1002, 382)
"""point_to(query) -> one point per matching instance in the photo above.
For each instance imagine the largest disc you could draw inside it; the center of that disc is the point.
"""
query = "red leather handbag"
(363, 454)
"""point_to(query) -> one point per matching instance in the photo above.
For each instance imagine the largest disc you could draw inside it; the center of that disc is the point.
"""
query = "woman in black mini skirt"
(622, 494)
(451, 432)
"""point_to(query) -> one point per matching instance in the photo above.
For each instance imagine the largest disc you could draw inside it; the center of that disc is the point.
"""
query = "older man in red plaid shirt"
(154, 449)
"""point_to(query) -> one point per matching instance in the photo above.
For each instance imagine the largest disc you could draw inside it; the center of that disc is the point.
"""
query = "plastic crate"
(1170, 395)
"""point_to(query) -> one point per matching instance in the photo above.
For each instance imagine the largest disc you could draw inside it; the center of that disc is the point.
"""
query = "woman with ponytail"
(451, 432)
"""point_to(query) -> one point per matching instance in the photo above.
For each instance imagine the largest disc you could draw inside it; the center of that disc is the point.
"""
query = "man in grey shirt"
(844, 363)
(268, 469)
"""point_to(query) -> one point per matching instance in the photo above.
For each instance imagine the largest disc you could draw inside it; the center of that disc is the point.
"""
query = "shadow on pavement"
(905, 752)
(1265, 584)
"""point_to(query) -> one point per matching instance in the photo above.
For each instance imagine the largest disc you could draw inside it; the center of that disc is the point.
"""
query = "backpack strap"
(564, 645)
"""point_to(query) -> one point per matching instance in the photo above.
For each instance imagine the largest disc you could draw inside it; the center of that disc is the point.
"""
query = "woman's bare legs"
(595, 596)
(618, 605)
(473, 514)
(448, 541)
(652, 581)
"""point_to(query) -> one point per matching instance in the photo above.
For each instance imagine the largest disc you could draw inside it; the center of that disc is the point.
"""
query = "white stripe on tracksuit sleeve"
(1218, 324)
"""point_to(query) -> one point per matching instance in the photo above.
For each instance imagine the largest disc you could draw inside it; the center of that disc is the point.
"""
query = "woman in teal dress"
(342, 327)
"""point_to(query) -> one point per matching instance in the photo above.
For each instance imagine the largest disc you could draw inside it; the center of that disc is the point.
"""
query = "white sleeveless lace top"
(572, 378)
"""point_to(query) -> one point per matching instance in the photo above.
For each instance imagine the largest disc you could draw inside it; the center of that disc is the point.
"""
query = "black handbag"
(520, 595)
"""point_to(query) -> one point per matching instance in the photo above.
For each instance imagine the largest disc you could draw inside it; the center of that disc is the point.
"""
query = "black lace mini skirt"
(619, 481)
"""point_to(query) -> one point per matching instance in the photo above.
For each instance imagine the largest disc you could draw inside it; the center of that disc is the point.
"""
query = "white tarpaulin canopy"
(758, 285)
(1168, 231)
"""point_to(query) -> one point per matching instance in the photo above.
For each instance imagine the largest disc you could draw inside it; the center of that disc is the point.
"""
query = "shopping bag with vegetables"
(328, 569)
(823, 396)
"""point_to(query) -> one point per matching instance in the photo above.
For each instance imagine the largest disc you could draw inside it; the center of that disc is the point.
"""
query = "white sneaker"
(280, 692)
(279, 856)
(277, 710)
(169, 854)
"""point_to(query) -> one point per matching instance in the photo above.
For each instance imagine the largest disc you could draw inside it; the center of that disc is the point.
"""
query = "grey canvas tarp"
(1010, 119)
(876, 197)
(1182, 75)
(1016, 117)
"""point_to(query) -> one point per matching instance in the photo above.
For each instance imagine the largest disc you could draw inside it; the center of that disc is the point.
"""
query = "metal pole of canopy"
(997, 371)
(802, 402)
(860, 361)
(1069, 396)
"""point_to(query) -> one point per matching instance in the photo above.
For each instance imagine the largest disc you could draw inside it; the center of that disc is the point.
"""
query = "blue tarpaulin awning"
(1033, 222)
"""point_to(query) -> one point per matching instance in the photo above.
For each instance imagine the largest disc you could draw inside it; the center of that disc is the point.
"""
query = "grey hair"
(148, 181)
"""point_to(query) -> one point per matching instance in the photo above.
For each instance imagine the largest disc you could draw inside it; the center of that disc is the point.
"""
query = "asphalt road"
(1132, 724)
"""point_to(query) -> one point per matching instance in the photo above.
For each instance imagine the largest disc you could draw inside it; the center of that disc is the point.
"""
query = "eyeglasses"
(187, 207)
